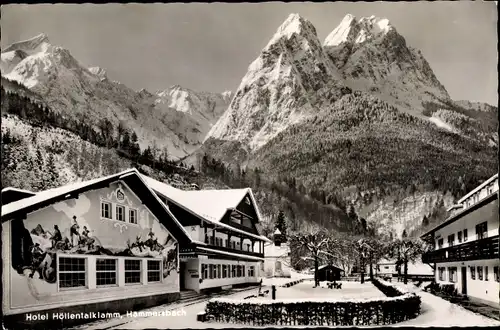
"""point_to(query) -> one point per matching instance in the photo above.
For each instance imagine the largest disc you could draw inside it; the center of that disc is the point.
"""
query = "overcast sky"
(209, 46)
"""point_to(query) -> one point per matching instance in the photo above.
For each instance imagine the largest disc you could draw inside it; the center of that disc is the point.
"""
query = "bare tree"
(405, 250)
(314, 240)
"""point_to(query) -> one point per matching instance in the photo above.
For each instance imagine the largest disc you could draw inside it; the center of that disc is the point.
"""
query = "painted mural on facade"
(76, 227)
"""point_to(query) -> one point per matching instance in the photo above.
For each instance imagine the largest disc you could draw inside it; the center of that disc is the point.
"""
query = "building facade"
(226, 248)
(277, 257)
(466, 245)
(108, 244)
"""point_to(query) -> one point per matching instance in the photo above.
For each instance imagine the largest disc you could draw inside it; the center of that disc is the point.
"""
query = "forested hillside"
(366, 144)
(41, 150)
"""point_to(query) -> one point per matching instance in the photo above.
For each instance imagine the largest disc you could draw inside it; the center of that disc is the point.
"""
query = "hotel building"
(466, 245)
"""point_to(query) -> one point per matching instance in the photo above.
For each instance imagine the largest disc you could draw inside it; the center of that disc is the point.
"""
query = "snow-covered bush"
(388, 289)
(314, 311)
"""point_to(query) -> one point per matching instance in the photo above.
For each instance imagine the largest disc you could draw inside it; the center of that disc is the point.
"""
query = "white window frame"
(132, 271)
(85, 272)
(159, 271)
(134, 212)
(115, 271)
(120, 207)
(103, 210)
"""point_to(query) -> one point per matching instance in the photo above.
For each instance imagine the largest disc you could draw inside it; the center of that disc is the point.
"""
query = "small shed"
(329, 273)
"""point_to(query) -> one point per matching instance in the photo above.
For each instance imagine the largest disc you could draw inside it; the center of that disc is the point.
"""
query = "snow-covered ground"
(435, 311)
(349, 290)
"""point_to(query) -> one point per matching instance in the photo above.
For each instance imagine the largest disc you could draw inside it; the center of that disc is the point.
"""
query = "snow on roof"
(277, 232)
(386, 262)
(18, 190)
(273, 251)
(51, 193)
(321, 267)
(211, 205)
(419, 269)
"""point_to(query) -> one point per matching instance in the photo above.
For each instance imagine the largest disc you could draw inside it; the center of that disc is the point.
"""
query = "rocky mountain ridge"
(177, 123)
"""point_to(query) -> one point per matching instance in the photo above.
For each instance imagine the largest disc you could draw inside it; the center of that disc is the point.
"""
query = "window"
(251, 271)
(248, 247)
(242, 271)
(120, 213)
(224, 271)
(233, 244)
(218, 271)
(386, 267)
(133, 271)
(233, 271)
(451, 239)
(204, 271)
(485, 273)
(154, 270)
(440, 243)
(72, 272)
(495, 273)
(277, 266)
(482, 230)
(238, 271)
(106, 272)
(459, 237)
(106, 210)
(441, 273)
(465, 235)
(132, 216)
(226, 243)
(452, 274)
(473, 272)
(480, 273)
(238, 246)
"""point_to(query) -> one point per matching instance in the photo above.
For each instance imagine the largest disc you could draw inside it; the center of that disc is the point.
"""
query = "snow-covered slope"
(373, 57)
(71, 89)
(288, 82)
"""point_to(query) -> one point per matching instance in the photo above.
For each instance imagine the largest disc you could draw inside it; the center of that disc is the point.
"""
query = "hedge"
(289, 284)
(318, 312)
(388, 289)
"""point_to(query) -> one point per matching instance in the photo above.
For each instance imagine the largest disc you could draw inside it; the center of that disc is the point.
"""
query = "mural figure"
(74, 233)
(86, 240)
(56, 237)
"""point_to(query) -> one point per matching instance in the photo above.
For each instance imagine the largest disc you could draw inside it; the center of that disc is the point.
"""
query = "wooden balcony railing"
(226, 249)
(486, 248)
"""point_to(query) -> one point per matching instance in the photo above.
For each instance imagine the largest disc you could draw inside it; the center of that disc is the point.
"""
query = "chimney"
(277, 237)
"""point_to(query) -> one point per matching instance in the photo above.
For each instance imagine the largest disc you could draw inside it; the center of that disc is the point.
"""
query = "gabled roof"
(11, 194)
(211, 204)
(131, 177)
(327, 265)
(482, 185)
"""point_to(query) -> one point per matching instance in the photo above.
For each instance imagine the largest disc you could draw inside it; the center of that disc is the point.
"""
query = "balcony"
(225, 249)
(486, 248)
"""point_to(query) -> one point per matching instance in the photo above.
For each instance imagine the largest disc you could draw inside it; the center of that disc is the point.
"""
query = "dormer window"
(482, 230)
(451, 240)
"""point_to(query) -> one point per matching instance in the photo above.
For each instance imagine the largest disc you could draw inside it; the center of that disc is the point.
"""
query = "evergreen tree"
(52, 173)
(281, 224)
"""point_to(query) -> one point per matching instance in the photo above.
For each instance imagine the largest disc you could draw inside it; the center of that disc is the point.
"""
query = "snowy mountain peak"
(350, 30)
(100, 72)
(293, 25)
(30, 46)
(345, 31)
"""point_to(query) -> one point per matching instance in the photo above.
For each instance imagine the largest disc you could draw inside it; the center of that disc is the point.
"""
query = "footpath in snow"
(436, 311)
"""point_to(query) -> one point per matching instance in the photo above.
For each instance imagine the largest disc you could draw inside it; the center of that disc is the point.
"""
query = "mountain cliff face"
(373, 57)
(87, 93)
(362, 115)
(289, 81)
